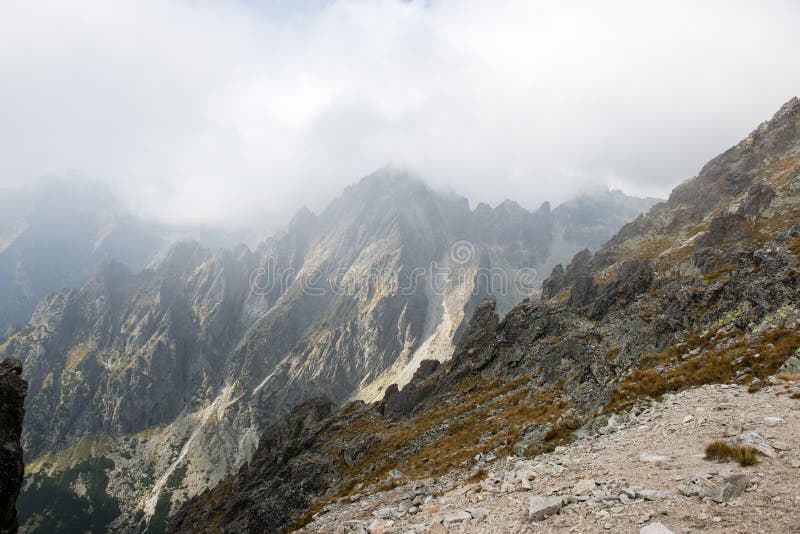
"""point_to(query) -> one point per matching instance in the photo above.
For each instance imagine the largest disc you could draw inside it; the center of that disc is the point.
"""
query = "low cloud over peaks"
(218, 111)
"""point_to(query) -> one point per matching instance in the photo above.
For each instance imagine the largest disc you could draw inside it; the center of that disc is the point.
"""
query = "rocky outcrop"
(397, 403)
(283, 480)
(12, 397)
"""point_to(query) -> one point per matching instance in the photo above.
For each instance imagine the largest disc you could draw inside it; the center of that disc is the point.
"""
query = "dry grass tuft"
(611, 354)
(794, 246)
(719, 451)
(669, 371)
(746, 456)
(477, 476)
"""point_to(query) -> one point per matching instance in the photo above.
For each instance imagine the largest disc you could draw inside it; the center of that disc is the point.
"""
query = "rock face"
(175, 371)
(284, 448)
(679, 298)
(12, 397)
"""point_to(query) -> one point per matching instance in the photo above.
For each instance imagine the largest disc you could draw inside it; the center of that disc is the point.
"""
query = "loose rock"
(655, 528)
(542, 507)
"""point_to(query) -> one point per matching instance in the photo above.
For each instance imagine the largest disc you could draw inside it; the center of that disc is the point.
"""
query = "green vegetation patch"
(73, 500)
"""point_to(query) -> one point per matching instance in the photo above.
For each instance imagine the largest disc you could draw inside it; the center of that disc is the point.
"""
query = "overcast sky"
(216, 111)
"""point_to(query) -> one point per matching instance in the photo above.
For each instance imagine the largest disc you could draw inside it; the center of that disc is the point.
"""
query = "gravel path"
(632, 478)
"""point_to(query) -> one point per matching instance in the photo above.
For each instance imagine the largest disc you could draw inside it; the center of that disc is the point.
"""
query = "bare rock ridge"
(702, 290)
(12, 397)
(174, 371)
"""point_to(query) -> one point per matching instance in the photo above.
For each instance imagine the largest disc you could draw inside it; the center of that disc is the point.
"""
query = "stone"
(753, 439)
(478, 514)
(456, 517)
(795, 463)
(638, 492)
(353, 525)
(733, 429)
(773, 421)
(543, 507)
(524, 474)
(654, 458)
(698, 485)
(384, 511)
(584, 486)
(688, 419)
(655, 528)
(731, 488)
(376, 527)
(651, 494)
(524, 485)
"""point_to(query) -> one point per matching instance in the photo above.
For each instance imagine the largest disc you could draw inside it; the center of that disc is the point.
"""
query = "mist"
(226, 112)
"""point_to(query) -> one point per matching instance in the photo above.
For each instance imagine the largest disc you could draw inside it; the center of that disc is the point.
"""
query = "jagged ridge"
(702, 289)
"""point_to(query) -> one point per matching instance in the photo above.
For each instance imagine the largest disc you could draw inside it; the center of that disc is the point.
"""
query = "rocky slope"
(701, 290)
(646, 469)
(148, 387)
(12, 411)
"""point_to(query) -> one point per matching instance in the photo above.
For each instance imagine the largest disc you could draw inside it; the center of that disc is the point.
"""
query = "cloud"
(220, 111)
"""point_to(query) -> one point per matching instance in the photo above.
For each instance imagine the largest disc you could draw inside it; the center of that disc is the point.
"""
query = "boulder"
(698, 485)
(733, 429)
(755, 440)
(638, 492)
(478, 514)
(651, 494)
(459, 516)
(584, 486)
(543, 507)
(731, 488)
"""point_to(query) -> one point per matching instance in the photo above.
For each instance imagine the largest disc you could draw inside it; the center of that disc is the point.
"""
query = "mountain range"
(701, 290)
(147, 386)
